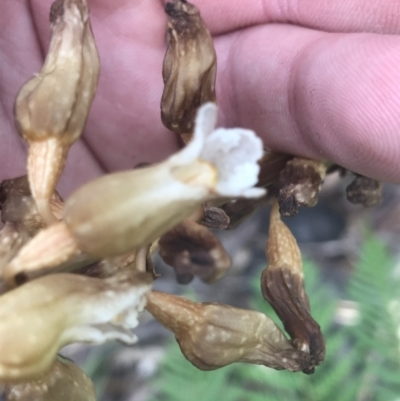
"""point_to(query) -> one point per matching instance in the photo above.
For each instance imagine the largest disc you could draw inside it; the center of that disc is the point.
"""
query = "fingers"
(305, 92)
(328, 15)
(315, 94)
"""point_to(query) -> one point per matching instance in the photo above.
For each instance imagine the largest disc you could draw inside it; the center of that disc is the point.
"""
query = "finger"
(320, 95)
(131, 44)
(328, 15)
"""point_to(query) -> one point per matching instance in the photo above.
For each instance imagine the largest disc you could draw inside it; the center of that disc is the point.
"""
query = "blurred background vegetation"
(352, 278)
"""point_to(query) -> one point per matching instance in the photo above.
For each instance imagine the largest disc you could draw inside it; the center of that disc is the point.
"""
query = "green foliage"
(362, 361)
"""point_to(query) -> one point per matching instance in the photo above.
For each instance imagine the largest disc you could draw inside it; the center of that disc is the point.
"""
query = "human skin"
(313, 78)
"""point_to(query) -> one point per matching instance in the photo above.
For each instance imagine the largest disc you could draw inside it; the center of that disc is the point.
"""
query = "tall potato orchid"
(81, 271)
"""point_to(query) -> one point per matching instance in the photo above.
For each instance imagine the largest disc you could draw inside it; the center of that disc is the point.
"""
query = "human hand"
(325, 91)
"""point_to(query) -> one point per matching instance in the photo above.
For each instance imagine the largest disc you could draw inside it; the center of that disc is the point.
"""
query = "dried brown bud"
(364, 191)
(64, 381)
(43, 315)
(192, 250)
(282, 285)
(51, 108)
(212, 335)
(189, 68)
(20, 215)
(214, 217)
(299, 184)
(18, 206)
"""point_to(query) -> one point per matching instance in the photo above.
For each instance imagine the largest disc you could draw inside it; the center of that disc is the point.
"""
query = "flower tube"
(52, 107)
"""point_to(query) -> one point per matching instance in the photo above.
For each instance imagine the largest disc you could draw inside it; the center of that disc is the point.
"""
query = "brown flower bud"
(192, 250)
(43, 315)
(282, 285)
(364, 191)
(299, 184)
(189, 68)
(51, 108)
(18, 206)
(20, 215)
(214, 217)
(64, 381)
(213, 335)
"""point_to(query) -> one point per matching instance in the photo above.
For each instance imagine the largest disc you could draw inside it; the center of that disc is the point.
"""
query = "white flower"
(232, 152)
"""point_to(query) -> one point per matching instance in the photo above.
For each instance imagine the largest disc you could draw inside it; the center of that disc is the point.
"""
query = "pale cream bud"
(64, 381)
(213, 335)
(43, 315)
(51, 108)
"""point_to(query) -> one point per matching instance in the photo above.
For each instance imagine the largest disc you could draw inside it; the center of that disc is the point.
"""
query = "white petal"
(98, 334)
(205, 124)
(206, 119)
(234, 152)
